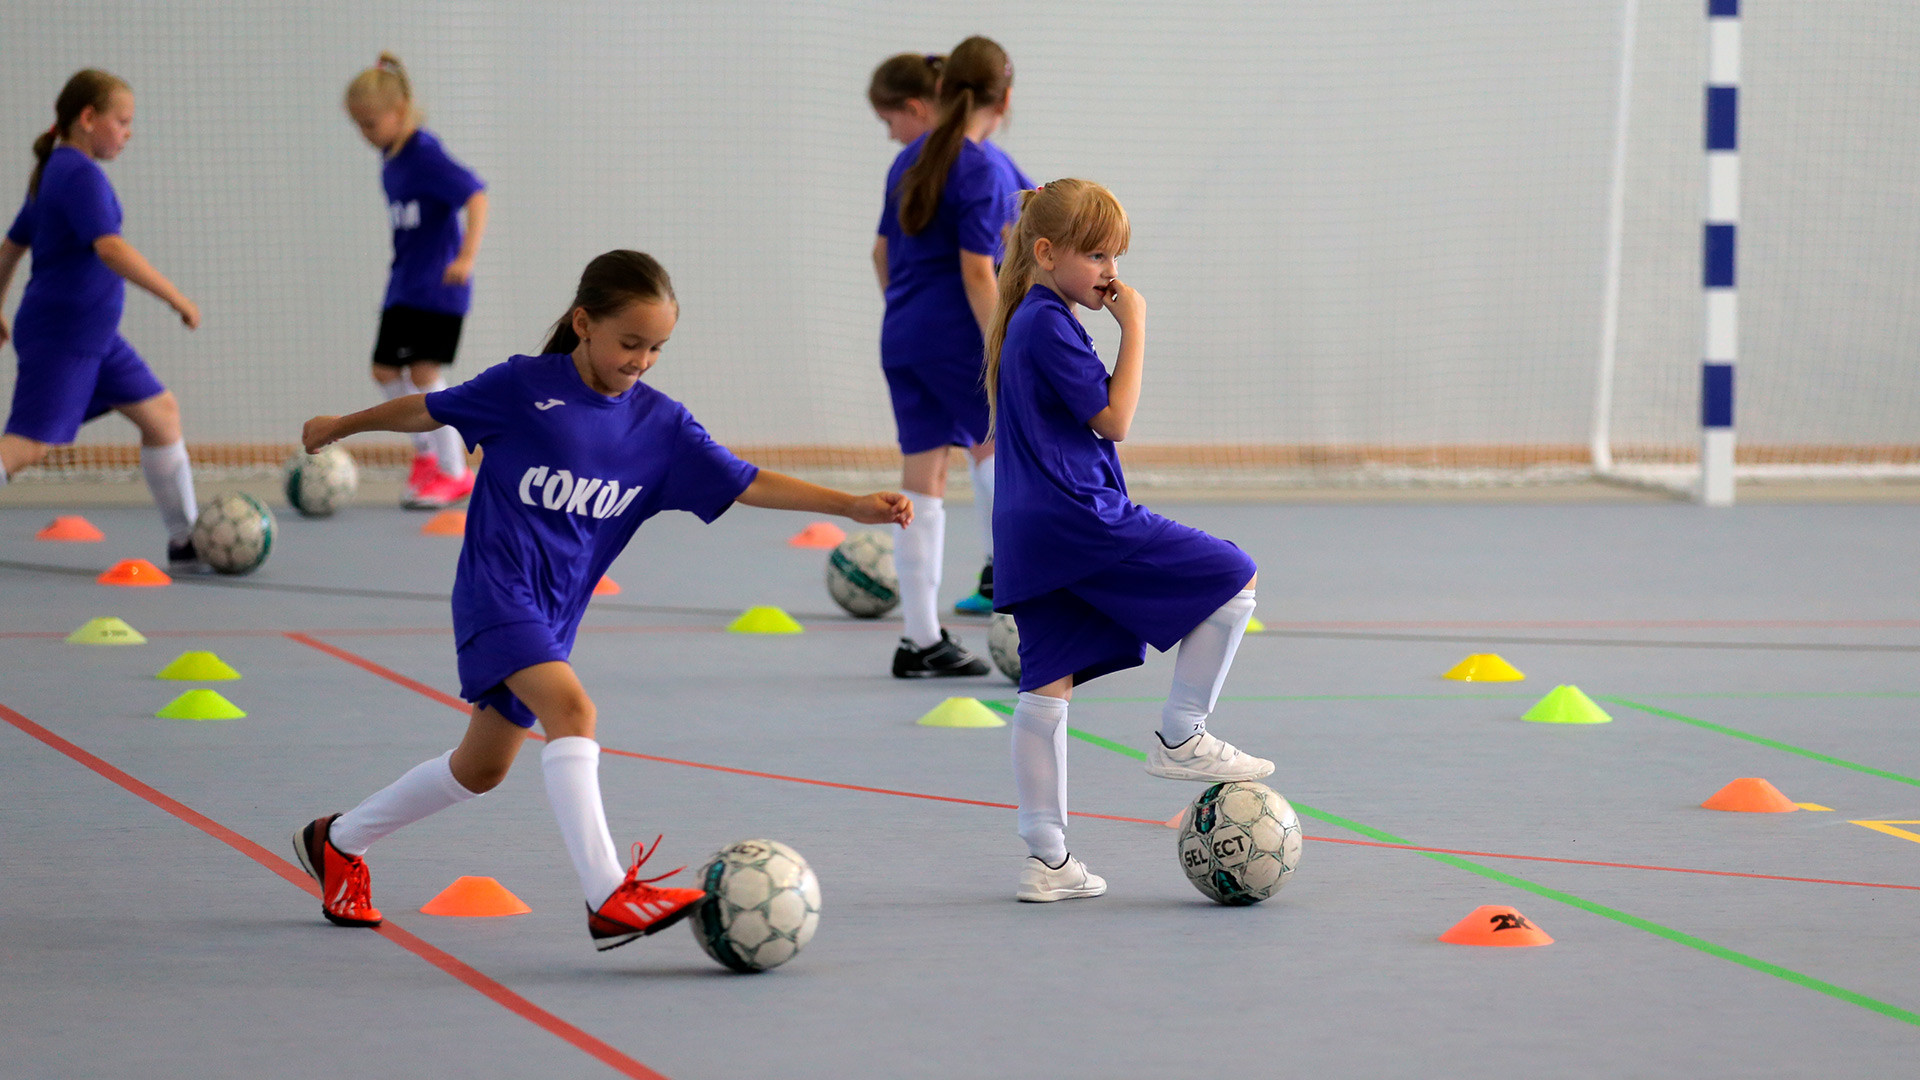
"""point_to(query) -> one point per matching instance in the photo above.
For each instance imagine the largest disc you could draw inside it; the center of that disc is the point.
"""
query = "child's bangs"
(1100, 225)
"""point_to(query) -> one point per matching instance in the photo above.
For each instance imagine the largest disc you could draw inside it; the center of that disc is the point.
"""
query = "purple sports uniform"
(426, 189)
(569, 474)
(930, 345)
(74, 365)
(1090, 576)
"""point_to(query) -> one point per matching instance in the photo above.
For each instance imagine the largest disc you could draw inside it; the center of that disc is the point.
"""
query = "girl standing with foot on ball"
(579, 453)
(431, 283)
(950, 197)
(1091, 577)
(74, 365)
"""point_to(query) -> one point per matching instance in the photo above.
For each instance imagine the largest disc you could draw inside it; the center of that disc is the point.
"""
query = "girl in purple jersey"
(579, 453)
(1091, 577)
(74, 365)
(950, 196)
(904, 93)
(431, 283)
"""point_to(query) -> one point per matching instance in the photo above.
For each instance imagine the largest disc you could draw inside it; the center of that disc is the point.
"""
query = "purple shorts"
(938, 404)
(488, 657)
(1104, 622)
(55, 393)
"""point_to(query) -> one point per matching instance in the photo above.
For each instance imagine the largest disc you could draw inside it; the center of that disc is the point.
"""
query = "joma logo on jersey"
(588, 496)
(405, 215)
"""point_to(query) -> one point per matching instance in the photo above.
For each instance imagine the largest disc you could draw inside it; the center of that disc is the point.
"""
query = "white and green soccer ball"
(860, 575)
(1240, 843)
(234, 533)
(1003, 644)
(318, 484)
(762, 905)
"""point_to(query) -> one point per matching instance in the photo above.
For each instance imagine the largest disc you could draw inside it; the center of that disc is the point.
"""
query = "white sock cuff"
(570, 746)
(1042, 707)
(167, 459)
(1238, 607)
(455, 790)
(398, 388)
(438, 384)
(923, 501)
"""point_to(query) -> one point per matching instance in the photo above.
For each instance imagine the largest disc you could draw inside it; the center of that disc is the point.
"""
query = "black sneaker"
(941, 660)
(183, 559)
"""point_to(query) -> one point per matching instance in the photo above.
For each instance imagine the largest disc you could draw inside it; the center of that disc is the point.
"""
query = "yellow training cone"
(1484, 667)
(106, 630)
(961, 712)
(765, 620)
(200, 705)
(198, 667)
(1567, 705)
(1255, 626)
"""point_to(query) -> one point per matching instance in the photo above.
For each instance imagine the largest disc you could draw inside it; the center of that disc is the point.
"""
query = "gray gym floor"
(143, 932)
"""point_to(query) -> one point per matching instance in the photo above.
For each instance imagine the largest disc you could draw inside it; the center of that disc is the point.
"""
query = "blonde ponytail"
(385, 86)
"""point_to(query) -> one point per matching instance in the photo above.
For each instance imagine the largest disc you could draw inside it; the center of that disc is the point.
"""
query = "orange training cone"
(1751, 795)
(137, 572)
(820, 534)
(72, 528)
(475, 897)
(606, 587)
(446, 523)
(1495, 924)
(1179, 820)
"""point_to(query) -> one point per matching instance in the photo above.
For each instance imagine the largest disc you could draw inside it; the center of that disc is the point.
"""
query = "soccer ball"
(234, 533)
(860, 575)
(1003, 644)
(1240, 843)
(318, 484)
(762, 905)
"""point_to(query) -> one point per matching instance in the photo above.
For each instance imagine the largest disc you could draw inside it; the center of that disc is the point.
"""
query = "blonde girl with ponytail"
(949, 198)
(430, 286)
(1090, 576)
(74, 365)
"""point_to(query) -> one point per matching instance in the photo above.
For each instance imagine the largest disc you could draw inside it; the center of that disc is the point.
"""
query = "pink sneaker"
(426, 469)
(440, 492)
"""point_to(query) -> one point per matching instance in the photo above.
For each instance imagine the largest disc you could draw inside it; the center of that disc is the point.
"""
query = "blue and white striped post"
(1718, 249)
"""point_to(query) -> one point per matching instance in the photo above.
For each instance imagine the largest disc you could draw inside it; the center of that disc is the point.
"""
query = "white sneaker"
(1206, 759)
(1042, 884)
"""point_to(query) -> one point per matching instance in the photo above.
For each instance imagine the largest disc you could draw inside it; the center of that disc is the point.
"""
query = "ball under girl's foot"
(346, 889)
(1071, 880)
(1206, 759)
(637, 908)
(943, 659)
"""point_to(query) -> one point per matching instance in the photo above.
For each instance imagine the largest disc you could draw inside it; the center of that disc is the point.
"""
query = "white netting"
(1372, 233)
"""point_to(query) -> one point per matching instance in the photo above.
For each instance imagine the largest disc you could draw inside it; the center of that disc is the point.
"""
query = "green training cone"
(106, 630)
(765, 620)
(1567, 705)
(961, 712)
(197, 667)
(200, 705)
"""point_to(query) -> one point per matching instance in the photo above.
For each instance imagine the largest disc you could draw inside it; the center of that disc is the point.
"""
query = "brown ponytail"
(89, 88)
(1075, 215)
(609, 283)
(385, 86)
(977, 75)
(903, 78)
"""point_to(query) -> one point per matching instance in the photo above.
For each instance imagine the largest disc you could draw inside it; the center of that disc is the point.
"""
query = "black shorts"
(411, 335)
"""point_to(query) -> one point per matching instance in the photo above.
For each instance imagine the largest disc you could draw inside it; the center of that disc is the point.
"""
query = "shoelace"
(357, 896)
(639, 859)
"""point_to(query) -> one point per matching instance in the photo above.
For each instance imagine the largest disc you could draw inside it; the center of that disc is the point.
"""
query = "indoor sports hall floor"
(152, 925)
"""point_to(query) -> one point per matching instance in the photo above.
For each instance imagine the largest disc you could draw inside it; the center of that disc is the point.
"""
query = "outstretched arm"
(778, 491)
(124, 259)
(401, 414)
(10, 255)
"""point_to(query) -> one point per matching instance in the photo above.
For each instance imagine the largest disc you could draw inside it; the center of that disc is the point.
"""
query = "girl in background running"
(1091, 577)
(74, 365)
(579, 452)
(949, 199)
(431, 283)
(903, 92)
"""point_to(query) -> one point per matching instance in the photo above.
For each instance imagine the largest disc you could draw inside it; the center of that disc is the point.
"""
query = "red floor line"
(448, 699)
(445, 961)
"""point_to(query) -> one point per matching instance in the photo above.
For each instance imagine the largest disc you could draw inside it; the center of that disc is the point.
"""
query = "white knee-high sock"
(400, 388)
(3, 474)
(1040, 775)
(427, 788)
(572, 768)
(1200, 669)
(170, 477)
(917, 553)
(448, 449)
(982, 474)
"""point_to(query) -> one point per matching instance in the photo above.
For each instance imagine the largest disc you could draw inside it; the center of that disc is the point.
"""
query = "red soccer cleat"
(346, 890)
(636, 908)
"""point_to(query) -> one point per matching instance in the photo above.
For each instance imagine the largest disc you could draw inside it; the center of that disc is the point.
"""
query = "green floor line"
(1762, 740)
(1678, 937)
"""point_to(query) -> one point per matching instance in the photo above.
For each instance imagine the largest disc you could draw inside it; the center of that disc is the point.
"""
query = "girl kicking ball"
(1091, 577)
(579, 452)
